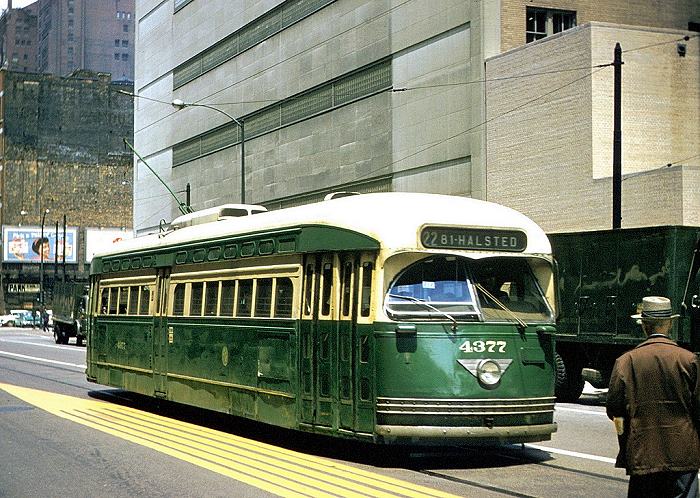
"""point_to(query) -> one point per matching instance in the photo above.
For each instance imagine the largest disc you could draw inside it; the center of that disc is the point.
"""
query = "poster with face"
(26, 245)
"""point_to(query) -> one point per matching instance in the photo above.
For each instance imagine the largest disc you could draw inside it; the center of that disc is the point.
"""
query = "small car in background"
(26, 318)
(7, 320)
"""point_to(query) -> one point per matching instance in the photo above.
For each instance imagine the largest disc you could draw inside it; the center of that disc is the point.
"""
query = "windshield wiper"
(429, 306)
(501, 305)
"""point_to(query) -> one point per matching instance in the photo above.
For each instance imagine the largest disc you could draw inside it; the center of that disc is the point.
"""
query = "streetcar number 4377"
(483, 347)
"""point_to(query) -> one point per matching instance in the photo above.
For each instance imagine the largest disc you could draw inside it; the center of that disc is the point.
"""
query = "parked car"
(7, 320)
(26, 318)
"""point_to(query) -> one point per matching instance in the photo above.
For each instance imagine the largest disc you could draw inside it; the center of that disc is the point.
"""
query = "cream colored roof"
(393, 218)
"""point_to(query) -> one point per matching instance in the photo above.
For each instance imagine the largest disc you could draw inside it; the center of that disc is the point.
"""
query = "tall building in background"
(61, 155)
(368, 95)
(95, 35)
(18, 38)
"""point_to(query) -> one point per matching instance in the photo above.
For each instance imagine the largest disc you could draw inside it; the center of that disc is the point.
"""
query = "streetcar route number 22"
(483, 346)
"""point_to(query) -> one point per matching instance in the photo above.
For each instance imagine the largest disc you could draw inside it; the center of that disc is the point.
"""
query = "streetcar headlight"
(489, 372)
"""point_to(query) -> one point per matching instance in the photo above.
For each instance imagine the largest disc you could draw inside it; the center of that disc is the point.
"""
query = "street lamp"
(41, 259)
(179, 104)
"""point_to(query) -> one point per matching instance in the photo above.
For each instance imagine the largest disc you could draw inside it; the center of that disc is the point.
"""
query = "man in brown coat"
(654, 400)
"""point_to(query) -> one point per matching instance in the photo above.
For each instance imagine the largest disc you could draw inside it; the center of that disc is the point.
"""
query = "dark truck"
(69, 307)
(602, 278)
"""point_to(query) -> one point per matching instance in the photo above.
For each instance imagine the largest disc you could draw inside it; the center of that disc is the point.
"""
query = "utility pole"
(617, 140)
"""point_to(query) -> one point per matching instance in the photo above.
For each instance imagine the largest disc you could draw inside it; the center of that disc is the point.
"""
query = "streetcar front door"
(326, 344)
(327, 337)
(161, 334)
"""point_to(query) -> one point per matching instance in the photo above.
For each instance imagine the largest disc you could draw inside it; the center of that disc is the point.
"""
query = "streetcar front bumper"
(466, 421)
(464, 435)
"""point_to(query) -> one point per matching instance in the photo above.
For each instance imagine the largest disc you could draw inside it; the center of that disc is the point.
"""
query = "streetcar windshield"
(490, 289)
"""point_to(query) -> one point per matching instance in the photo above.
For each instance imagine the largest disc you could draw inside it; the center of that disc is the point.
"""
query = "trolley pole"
(617, 140)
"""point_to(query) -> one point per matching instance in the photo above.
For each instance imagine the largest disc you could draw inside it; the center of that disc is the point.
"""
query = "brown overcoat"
(655, 388)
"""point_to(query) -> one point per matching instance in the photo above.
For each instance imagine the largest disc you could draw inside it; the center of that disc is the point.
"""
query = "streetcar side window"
(263, 297)
(123, 300)
(145, 300)
(211, 299)
(133, 300)
(179, 300)
(346, 293)
(245, 297)
(196, 298)
(104, 302)
(227, 290)
(327, 288)
(284, 298)
(113, 299)
(309, 290)
(367, 270)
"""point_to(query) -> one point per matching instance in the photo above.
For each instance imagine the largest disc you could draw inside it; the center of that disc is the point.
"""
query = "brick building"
(95, 35)
(339, 94)
(61, 150)
(18, 38)
(558, 149)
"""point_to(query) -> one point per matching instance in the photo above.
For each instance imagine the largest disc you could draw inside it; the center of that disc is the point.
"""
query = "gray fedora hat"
(655, 308)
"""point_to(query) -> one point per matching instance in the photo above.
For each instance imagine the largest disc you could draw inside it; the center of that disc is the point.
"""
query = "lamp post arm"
(184, 208)
(240, 125)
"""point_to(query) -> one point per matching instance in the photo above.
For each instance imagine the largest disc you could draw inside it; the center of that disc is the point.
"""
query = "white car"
(7, 320)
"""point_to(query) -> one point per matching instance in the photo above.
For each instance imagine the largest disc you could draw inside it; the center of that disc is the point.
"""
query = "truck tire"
(568, 384)
(79, 340)
(56, 333)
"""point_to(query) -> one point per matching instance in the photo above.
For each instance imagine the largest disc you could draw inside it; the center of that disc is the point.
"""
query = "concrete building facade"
(61, 150)
(550, 135)
(360, 95)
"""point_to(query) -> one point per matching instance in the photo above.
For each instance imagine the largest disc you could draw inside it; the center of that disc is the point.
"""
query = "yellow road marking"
(276, 470)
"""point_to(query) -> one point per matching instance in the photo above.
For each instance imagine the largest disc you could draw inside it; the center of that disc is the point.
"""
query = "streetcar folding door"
(161, 334)
(327, 335)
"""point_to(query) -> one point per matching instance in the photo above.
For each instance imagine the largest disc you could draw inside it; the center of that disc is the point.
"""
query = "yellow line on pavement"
(276, 470)
(225, 440)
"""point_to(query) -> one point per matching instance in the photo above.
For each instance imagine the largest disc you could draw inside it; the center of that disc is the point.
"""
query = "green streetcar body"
(603, 276)
(326, 357)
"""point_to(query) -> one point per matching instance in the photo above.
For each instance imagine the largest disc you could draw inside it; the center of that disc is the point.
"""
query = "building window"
(126, 28)
(545, 22)
(125, 43)
(116, 43)
(116, 57)
(125, 57)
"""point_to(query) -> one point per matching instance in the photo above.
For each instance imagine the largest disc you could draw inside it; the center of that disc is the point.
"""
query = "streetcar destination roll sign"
(474, 239)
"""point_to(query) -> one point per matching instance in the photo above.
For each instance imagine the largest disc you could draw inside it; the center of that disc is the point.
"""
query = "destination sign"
(474, 239)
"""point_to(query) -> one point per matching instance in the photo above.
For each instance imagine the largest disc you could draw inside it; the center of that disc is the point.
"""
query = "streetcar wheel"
(568, 384)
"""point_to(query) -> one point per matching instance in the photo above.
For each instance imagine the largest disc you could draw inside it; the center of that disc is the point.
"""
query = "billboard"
(25, 245)
(98, 240)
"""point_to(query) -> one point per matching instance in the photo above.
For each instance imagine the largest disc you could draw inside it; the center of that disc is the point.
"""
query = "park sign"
(25, 245)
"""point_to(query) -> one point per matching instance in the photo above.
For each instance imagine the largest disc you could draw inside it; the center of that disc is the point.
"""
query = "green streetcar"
(393, 318)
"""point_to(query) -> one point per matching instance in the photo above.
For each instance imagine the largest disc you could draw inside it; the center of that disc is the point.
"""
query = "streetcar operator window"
(458, 288)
